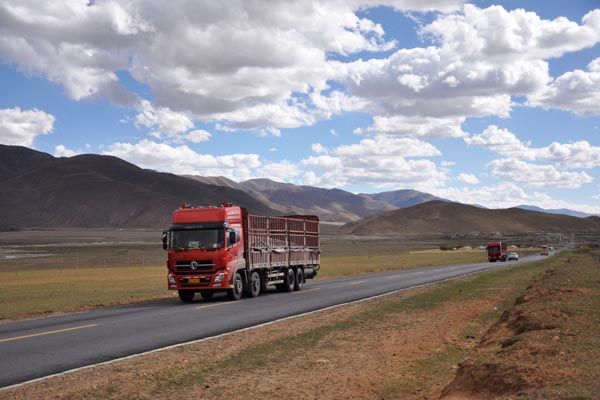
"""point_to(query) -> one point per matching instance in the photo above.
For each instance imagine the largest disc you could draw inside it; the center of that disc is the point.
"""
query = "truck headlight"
(171, 279)
(219, 278)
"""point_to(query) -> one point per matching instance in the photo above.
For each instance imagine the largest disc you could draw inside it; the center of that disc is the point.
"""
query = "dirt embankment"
(547, 346)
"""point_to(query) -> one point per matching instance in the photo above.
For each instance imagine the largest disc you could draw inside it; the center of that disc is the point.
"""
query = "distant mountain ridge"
(403, 198)
(334, 205)
(563, 211)
(94, 191)
(440, 217)
(331, 205)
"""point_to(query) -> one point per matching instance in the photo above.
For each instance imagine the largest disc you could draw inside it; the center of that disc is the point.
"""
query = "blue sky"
(491, 103)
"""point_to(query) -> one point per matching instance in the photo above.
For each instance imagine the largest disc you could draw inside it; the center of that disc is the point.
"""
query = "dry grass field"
(49, 272)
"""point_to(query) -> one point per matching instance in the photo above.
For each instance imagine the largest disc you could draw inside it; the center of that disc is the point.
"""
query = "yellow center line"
(215, 305)
(357, 282)
(308, 290)
(47, 333)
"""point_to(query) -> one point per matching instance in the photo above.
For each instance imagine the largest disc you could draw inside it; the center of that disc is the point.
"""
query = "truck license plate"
(194, 281)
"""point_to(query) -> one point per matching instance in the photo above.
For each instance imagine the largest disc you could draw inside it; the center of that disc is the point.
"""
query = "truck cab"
(205, 249)
(496, 251)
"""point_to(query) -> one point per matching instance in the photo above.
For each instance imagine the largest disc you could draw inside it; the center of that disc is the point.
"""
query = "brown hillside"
(93, 191)
(439, 217)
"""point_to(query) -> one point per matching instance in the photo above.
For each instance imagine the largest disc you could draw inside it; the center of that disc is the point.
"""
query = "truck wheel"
(263, 283)
(206, 294)
(254, 287)
(238, 287)
(186, 295)
(289, 280)
(299, 279)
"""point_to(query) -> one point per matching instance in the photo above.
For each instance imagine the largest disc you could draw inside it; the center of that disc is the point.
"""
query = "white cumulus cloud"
(468, 179)
(283, 171)
(421, 127)
(380, 161)
(185, 161)
(197, 136)
(537, 176)
(576, 91)
(63, 151)
(509, 194)
(500, 141)
(21, 127)
(165, 121)
(580, 154)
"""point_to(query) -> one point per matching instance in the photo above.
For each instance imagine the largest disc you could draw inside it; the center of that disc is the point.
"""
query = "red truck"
(225, 249)
(496, 251)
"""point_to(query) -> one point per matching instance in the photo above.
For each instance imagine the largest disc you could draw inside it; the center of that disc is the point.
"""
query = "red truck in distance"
(225, 249)
(496, 251)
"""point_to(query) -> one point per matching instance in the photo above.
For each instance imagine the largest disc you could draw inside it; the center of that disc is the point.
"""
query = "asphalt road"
(42, 347)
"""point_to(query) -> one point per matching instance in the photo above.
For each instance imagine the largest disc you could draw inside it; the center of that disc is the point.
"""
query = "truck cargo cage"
(283, 241)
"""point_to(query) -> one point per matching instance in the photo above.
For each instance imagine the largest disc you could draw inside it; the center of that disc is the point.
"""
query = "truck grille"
(195, 265)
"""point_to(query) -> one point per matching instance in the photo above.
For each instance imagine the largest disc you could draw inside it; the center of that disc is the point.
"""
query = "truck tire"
(263, 282)
(299, 279)
(289, 280)
(206, 294)
(253, 287)
(186, 295)
(238, 287)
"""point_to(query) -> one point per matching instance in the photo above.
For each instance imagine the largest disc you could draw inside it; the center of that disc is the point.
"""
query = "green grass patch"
(30, 293)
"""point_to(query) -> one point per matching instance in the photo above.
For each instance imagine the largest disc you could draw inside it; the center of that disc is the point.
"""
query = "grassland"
(87, 276)
(43, 272)
(411, 345)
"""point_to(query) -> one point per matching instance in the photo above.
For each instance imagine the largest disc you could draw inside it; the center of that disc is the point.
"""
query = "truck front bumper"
(217, 281)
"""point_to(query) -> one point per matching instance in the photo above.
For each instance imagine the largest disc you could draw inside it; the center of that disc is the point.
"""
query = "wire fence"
(75, 262)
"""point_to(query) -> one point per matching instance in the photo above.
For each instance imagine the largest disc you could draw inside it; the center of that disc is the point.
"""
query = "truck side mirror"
(165, 236)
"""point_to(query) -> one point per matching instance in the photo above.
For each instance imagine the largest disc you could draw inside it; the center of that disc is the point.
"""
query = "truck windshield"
(197, 239)
(494, 248)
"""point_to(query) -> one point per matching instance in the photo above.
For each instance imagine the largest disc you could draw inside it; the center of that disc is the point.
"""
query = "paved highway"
(41, 347)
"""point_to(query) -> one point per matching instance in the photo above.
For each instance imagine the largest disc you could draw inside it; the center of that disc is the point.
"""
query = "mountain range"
(563, 211)
(93, 191)
(332, 205)
(445, 217)
(38, 190)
